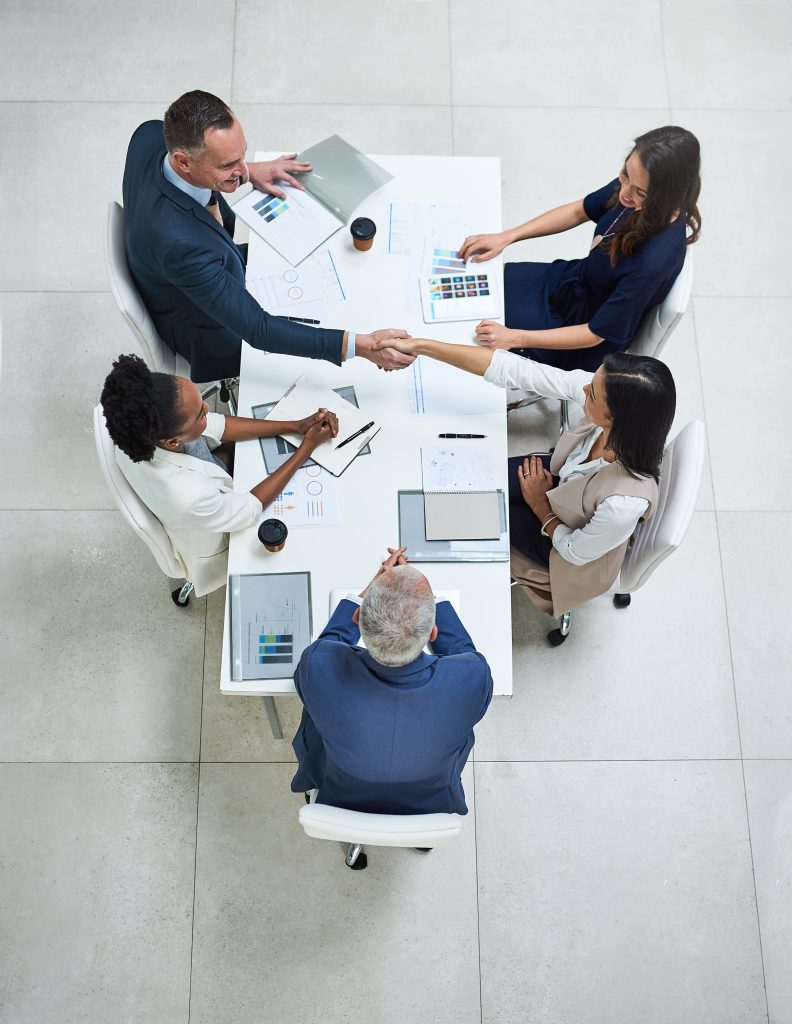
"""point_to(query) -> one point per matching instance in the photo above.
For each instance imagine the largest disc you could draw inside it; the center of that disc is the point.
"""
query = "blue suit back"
(389, 740)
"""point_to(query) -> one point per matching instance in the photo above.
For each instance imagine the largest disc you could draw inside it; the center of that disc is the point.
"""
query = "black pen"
(463, 435)
(300, 320)
(356, 434)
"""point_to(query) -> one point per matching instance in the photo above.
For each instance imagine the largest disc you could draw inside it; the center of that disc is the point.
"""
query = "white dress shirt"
(616, 516)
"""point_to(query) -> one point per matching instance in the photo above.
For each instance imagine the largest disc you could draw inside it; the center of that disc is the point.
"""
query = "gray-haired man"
(388, 728)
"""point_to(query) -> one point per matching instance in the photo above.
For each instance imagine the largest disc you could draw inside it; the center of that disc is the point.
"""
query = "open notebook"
(302, 399)
(460, 494)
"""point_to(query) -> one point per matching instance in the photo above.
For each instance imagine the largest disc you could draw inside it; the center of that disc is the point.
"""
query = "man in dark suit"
(388, 728)
(181, 252)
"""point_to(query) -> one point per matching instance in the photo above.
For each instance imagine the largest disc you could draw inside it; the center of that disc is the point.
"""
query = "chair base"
(557, 636)
(181, 595)
(356, 857)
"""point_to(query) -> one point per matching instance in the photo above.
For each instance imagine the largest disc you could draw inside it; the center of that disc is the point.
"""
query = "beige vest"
(575, 503)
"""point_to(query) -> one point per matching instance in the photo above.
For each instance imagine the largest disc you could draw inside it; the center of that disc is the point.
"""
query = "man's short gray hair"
(397, 616)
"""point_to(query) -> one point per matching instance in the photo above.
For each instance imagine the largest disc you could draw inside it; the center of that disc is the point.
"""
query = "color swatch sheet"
(294, 226)
(303, 291)
(454, 290)
(437, 389)
(270, 624)
(311, 498)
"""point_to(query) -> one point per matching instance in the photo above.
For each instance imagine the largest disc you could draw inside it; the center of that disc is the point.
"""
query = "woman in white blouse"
(572, 514)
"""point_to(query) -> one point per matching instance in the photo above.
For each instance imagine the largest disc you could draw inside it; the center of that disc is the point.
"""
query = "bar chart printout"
(270, 624)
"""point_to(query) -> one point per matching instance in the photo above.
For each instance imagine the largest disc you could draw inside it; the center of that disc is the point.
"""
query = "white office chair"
(418, 831)
(660, 322)
(142, 520)
(653, 541)
(160, 356)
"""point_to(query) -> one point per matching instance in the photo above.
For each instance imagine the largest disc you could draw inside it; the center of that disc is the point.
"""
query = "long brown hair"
(672, 159)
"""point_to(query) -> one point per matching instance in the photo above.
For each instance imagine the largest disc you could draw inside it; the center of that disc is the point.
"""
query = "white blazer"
(196, 503)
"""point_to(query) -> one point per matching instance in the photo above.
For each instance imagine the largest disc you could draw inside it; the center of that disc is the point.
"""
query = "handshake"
(389, 348)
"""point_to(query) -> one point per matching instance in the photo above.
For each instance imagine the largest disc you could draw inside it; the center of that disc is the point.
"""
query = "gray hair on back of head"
(397, 616)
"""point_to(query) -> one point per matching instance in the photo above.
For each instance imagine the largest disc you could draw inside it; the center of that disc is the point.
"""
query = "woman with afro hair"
(167, 446)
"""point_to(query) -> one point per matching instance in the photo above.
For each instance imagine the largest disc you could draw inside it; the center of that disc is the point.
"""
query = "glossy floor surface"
(627, 855)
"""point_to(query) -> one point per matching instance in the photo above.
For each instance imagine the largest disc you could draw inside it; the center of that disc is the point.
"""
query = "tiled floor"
(627, 856)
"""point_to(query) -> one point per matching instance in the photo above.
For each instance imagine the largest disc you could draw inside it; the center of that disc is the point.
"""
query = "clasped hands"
(396, 556)
(535, 481)
(320, 426)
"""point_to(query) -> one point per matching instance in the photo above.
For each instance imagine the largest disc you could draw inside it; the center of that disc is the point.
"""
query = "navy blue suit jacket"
(191, 275)
(389, 740)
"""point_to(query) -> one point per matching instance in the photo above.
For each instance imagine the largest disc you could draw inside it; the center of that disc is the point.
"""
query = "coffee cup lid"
(363, 228)
(272, 531)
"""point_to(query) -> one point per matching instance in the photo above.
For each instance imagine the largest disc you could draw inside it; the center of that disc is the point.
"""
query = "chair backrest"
(159, 356)
(660, 322)
(680, 479)
(321, 821)
(142, 520)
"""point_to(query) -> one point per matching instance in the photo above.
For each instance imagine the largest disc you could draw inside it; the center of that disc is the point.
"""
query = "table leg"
(272, 715)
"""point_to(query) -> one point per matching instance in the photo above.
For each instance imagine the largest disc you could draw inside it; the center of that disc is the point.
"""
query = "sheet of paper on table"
(294, 226)
(314, 283)
(410, 224)
(437, 389)
(270, 623)
(311, 498)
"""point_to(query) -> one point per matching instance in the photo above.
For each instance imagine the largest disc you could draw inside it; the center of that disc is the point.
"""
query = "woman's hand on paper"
(480, 248)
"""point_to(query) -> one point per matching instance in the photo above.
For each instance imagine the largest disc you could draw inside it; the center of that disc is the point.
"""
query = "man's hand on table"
(396, 556)
(265, 173)
(377, 347)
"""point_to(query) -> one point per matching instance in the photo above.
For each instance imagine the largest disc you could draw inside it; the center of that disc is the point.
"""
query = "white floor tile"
(98, 663)
(54, 207)
(58, 350)
(390, 52)
(758, 580)
(97, 876)
(616, 892)
(96, 51)
(744, 345)
(746, 162)
(564, 54)
(281, 923)
(769, 791)
(649, 681)
(747, 54)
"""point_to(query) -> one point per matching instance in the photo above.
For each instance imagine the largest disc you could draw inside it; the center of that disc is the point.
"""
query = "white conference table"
(381, 291)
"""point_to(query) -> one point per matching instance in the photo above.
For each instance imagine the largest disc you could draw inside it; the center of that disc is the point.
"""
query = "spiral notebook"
(460, 493)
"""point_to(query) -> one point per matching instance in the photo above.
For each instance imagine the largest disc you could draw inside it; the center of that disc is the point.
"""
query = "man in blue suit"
(388, 728)
(181, 252)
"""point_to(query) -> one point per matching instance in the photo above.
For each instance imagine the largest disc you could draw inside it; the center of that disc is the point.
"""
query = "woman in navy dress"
(572, 313)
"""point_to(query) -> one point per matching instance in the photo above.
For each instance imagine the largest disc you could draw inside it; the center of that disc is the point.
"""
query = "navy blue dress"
(611, 300)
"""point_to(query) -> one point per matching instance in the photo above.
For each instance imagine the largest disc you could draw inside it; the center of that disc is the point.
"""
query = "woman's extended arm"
(495, 335)
(560, 218)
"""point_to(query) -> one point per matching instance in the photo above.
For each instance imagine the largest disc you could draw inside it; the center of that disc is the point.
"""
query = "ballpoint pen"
(463, 435)
(356, 434)
(301, 320)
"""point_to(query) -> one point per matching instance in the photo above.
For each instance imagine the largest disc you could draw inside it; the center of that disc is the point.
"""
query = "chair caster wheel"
(175, 596)
(225, 394)
(621, 600)
(556, 637)
(360, 864)
(423, 849)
